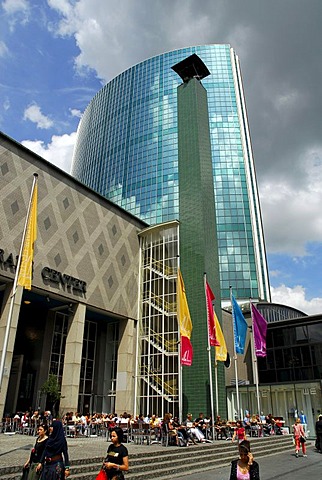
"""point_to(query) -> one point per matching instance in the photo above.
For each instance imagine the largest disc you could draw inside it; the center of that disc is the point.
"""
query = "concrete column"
(12, 337)
(125, 367)
(73, 360)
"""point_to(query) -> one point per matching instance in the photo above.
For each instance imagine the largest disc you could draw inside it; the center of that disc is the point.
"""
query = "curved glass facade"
(127, 151)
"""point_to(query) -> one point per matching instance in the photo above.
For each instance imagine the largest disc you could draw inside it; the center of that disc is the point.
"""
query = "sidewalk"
(15, 448)
(275, 467)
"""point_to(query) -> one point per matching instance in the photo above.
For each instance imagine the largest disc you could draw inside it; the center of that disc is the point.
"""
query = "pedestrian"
(299, 437)
(239, 432)
(245, 467)
(54, 461)
(36, 452)
(117, 459)
(318, 432)
(303, 418)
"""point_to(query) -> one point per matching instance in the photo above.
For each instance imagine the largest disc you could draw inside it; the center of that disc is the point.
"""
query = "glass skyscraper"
(127, 150)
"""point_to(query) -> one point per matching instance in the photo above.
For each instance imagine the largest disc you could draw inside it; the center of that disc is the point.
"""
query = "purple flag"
(260, 329)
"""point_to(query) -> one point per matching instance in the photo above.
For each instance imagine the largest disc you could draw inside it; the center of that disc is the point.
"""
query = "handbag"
(302, 439)
(118, 476)
(101, 475)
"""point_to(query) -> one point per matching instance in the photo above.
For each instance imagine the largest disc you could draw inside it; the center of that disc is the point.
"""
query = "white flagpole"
(235, 359)
(254, 358)
(209, 363)
(180, 385)
(14, 288)
(216, 385)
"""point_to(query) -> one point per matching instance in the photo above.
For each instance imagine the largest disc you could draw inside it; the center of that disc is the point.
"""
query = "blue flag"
(240, 327)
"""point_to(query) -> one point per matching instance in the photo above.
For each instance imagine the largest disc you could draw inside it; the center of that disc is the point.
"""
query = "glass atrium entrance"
(157, 373)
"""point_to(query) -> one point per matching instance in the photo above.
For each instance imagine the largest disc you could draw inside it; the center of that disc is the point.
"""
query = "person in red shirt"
(239, 432)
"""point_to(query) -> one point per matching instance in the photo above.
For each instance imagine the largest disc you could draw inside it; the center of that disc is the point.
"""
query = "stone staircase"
(171, 462)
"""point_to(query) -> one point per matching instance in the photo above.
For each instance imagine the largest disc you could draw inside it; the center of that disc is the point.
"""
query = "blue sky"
(56, 54)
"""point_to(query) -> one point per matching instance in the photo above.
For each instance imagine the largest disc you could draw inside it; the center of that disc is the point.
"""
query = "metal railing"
(159, 267)
(169, 308)
(167, 388)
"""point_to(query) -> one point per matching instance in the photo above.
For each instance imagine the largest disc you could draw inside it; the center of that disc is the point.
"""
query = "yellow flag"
(221, 351)
(25, 271)
(184, 319)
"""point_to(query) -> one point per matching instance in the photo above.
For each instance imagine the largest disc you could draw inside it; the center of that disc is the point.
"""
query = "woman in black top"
(54, 461)
(245, 467)
(117, 459)
(36, 452)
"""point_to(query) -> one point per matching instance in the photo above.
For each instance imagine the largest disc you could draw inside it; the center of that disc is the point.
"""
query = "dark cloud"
(279, 45)
(282, 77)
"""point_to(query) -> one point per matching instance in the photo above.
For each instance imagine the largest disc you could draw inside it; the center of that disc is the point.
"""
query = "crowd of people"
(77, 424)
(74, 423)
(49, 458)
(199, 429)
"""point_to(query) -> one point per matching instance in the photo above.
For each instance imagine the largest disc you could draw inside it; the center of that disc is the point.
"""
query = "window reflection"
(294, 353)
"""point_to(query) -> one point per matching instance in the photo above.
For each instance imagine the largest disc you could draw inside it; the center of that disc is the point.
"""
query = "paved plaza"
(14, 450)
(282, 466)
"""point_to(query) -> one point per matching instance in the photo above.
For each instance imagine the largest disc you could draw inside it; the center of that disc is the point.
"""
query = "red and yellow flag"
(185, 323)
(221, 350)
(25, 271)
(210, 297)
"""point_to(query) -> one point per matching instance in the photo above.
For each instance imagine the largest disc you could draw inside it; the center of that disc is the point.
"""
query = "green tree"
(51, 388)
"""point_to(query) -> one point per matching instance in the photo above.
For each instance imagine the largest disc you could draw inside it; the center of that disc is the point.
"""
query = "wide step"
(170, 462)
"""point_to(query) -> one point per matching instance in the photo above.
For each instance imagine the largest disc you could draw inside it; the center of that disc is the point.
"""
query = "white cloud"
(62, 6)
(295, 297)
(33, 113)
(59, 151)
(75, 112)
(287, 99)
(13, 6)
(3, 49)
(274, 273)
(17, 10)
(243, 36)
(292, 212)
(6, 104)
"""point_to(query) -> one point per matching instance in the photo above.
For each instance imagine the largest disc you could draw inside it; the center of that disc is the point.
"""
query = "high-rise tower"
(127, 150)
